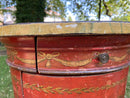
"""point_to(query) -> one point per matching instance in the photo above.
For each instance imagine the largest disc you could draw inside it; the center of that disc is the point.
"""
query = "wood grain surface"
(82, 28)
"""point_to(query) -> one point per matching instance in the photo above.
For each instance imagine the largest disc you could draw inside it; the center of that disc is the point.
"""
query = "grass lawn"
(128, 86)
(2, 48)
(6, 90)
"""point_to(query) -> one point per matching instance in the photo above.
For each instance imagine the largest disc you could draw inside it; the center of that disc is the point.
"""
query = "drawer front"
(68, 55)
(82, 54)
(19, 51)
(111, 85)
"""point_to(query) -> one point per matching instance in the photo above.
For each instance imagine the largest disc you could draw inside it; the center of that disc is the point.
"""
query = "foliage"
(4, 4)
(30, 10)
(69, 18)
(36, 10)
(1, 10)
(2, 48)
(83, 8)
(122, 18)
(116, 8)
(56, 6)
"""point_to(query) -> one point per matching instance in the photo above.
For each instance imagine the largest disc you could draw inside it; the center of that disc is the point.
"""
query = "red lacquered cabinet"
(77, 60)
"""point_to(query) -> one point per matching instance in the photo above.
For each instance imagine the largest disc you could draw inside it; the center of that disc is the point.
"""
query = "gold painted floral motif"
(64, 62)
(11, 54)
(15, 79)
(118, 59)
(47, 56)
(61, 90)
(16, 83)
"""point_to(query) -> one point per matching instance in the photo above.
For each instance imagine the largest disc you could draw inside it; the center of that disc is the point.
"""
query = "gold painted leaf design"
(49, 56)
(53, 56)
(73, 63)
(117, 59)
(62, 90)
(48, 64)
(27, 61)
(64, 62)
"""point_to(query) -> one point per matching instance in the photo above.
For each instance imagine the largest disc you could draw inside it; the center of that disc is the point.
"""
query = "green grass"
(6, 90)
(2, 48)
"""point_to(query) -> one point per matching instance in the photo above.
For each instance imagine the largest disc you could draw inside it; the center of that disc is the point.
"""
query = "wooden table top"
(65, 28)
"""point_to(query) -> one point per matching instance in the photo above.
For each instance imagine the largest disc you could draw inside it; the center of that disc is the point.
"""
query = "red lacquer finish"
(110, 85)
(17, 83)
(20, 49)
(68, 67)
(68, 60)
(80, 53)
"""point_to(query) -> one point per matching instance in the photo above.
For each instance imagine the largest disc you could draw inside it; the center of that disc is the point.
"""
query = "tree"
(81, 8)
(1, 11)
(121, 18)
(30, 10)
(56, 6)
(4, 4)
(84, 8)
(35, 10)
(111, 8)
(116, 7)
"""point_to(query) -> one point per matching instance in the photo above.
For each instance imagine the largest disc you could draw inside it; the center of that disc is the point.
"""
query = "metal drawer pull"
(103, 58)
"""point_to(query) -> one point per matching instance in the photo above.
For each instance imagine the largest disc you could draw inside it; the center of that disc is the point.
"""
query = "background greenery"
(117, 10)
(6, 90)
(30, 10)
(2, 48)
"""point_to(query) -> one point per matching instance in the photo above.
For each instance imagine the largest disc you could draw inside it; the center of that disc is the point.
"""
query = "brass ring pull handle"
(103, 58)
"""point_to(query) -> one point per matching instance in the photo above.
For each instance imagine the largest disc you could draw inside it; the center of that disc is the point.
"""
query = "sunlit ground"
(6, 90)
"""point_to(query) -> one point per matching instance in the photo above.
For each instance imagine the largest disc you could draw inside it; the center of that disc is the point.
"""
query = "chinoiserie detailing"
(16, 84)
(61, 90)
(54, 56)
(118, 59)
(14, 78)
(11, 54)
(64, 62)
